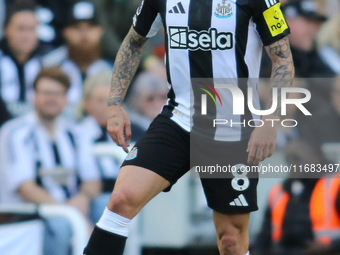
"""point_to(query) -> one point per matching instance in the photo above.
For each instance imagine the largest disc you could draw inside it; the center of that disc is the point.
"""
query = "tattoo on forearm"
(283, 69)
(114, 100)
(125, 66)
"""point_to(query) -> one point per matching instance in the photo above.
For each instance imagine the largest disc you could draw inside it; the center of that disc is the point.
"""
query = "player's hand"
(118, 126)
(262, 141)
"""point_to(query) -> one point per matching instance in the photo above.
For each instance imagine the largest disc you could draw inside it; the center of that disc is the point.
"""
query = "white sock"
(114, 223)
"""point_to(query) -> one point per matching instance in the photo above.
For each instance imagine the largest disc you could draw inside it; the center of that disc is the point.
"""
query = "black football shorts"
(165, 150)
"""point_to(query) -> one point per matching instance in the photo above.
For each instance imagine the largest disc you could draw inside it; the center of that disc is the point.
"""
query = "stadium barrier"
(77, 221)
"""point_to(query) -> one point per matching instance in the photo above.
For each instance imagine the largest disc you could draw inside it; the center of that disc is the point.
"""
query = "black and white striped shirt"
(16, 80)
(60, 57)
(108, 166)
(218, 40)
(28, 153)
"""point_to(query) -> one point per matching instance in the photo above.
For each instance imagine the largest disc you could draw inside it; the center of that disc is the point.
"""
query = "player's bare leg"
(134, 188)
(232, 233)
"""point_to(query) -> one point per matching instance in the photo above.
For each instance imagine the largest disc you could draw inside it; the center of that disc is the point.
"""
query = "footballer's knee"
(123, 202)
(229, 245)
(233, 236)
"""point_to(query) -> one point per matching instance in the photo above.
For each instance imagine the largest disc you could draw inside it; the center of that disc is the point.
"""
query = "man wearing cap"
(305, 22)
(81, 56)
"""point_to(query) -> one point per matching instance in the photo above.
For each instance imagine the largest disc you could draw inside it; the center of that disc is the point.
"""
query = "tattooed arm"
(126, 64)
(282, 70)
(262, 141)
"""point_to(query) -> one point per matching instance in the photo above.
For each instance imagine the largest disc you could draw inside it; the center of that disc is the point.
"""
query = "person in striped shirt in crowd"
(46, 158)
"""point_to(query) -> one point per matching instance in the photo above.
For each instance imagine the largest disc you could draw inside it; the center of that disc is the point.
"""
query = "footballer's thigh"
(134, 188)
(153, 165)
(232, 233)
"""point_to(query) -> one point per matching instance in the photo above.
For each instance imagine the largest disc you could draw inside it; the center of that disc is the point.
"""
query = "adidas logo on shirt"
(239, 201)
(177, 9)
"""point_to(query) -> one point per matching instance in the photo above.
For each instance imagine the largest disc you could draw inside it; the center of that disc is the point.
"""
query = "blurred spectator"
(81, 57)
(305, 22)
(145, 101)
(329, 42)
(4, 114)
(94, 105)
(19, 55)
(303, 214)
(2, 16)
(50, 15)
(324, 125)
(45, 158)
(284, 134)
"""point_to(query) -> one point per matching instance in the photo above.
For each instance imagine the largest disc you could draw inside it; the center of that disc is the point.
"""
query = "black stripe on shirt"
(200, 62)
(167, 110)
(241, 35)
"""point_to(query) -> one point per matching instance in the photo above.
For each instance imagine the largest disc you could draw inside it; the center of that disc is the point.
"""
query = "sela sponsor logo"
(183, 38)
(223, 11)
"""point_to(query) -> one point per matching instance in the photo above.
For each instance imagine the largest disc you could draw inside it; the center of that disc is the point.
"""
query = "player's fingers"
(251, 154)
(271, 150)
(249, 144)
(127, 131)
(125, 147)
(113, 128)
(120, 138)
(258, 156)
(265, 152)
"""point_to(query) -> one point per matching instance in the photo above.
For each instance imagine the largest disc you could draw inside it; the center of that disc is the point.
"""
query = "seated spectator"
(19, 55)
(81, 56)
(324, 125)
(328, 41)
(303, 213)
(2, 15)
(94, 106)
(145, 101)
(46, 158)
(304, 22)
(50, 15)
(5, 115)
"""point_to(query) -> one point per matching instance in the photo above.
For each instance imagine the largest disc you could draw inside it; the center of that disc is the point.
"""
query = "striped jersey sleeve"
(147, 20)
(270, 22)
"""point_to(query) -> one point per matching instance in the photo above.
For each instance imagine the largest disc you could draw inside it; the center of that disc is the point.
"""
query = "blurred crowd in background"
(56, 60)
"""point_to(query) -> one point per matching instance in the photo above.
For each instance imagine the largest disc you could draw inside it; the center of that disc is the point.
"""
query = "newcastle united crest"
(224, 11)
